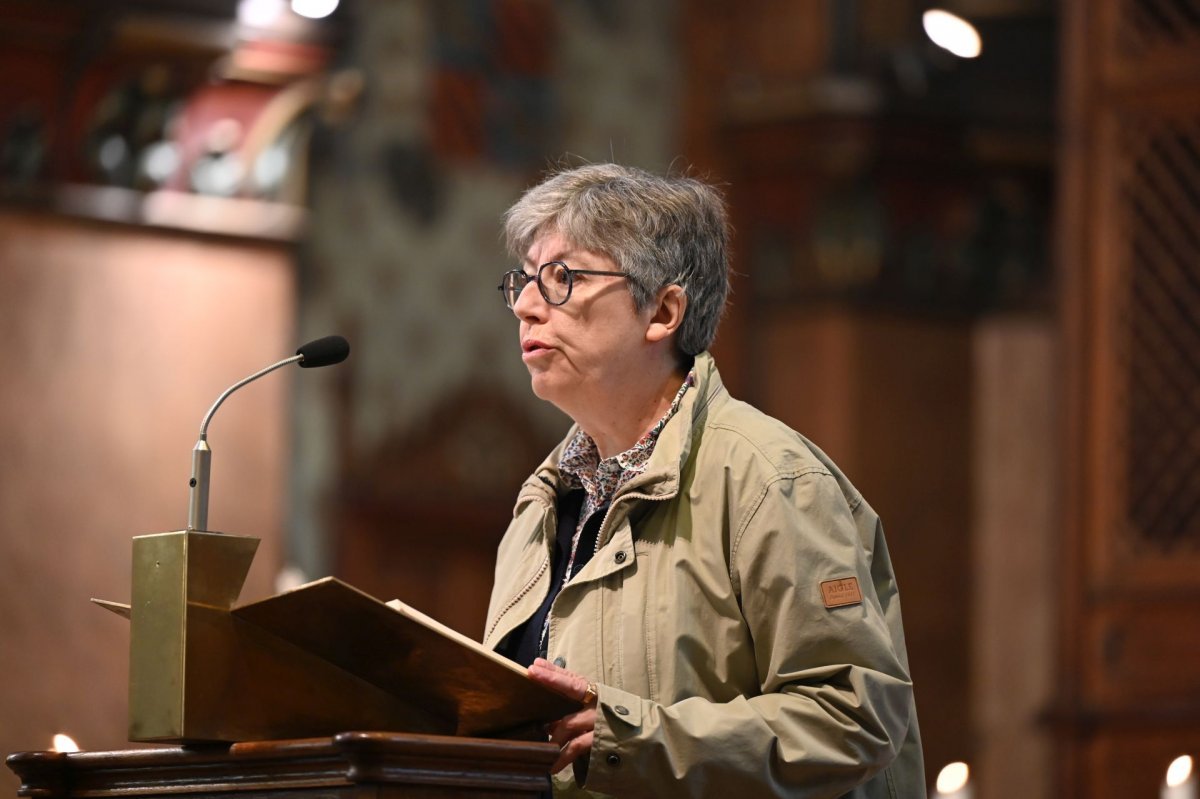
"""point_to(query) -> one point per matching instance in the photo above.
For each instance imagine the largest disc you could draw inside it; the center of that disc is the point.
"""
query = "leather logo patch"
(838, 593)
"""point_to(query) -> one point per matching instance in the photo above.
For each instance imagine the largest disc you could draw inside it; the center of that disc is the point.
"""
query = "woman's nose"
(530, 302)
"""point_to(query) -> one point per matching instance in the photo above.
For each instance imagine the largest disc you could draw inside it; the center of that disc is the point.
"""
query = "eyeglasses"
(554, 280)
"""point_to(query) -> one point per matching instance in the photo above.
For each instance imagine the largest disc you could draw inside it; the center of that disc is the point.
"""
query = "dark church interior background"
(973, 280)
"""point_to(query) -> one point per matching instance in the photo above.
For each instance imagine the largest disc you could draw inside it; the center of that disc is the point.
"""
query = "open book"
(440, 673)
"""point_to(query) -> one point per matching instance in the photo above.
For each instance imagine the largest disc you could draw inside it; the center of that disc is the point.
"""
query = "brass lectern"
(261, 695)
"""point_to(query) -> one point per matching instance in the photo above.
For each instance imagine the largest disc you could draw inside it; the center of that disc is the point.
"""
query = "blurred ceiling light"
(314, 9)
(260, 13)
(65, 743)
(1179, 771)
(952, 778)
(952, 32)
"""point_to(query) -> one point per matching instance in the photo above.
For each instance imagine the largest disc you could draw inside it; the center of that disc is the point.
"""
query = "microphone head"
(323, 352)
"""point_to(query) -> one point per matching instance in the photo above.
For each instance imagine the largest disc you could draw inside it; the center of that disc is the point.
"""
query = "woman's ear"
(667, 314)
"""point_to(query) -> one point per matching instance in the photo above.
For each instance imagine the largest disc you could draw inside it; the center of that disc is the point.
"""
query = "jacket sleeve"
(834, 697)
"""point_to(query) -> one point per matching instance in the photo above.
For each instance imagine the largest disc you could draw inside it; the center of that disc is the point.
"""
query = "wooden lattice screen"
(1149, 27)
(1130, 226)
(1160, 317)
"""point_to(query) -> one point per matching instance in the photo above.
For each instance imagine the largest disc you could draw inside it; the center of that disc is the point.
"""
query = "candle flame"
(953, 777)
(1179, 771)
(65, 743)
(952, 32)
(314, 9)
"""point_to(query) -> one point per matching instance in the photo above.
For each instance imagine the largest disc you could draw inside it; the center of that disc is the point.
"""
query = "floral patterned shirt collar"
(582, 467)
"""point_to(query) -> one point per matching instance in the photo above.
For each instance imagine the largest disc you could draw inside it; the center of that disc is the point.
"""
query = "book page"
(428, 621)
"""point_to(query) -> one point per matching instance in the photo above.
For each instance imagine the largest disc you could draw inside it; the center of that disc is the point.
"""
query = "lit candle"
(1180, 782)
(953, 782)
(65, 743)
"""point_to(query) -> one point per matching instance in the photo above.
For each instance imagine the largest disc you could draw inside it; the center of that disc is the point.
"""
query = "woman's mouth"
(532, 348)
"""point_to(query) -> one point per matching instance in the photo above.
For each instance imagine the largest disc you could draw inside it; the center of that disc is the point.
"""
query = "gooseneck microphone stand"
(321, 352)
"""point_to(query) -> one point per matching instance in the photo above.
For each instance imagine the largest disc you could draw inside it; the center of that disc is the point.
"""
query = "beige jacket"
(703, 618)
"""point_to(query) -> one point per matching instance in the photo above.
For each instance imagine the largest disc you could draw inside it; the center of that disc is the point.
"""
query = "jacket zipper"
(608, 513)
(520, 594)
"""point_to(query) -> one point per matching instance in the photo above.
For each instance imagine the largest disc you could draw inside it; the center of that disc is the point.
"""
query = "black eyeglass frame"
(526, 277)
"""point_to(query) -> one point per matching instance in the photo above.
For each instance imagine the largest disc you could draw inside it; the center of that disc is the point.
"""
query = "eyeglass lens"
(553, 279)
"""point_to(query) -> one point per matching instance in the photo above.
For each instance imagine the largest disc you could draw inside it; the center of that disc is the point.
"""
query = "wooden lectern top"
(309, 662)
(351, 765)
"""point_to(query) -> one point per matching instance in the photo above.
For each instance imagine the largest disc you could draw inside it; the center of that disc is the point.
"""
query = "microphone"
(321, 352)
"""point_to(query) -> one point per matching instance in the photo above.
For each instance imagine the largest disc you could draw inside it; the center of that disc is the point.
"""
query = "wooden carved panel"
(1130, 222)
(1161, 205)
(1139, 653)
(1148, 389)
(1147, 26)
(1133, 757)
(1149, 42)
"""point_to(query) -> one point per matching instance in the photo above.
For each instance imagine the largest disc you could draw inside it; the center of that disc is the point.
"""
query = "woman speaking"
(702, 577)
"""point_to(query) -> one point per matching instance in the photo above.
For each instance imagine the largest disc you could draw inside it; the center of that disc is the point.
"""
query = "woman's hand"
(572, 733)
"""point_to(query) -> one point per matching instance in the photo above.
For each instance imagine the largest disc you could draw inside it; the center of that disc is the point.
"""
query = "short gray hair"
(661, 230)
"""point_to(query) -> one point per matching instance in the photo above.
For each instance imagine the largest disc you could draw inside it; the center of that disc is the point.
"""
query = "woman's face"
(580, 352)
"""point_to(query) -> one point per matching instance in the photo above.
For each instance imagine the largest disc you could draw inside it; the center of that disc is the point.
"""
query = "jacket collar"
(660, 480)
